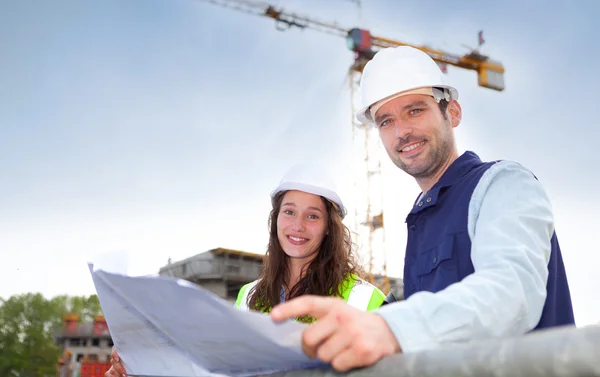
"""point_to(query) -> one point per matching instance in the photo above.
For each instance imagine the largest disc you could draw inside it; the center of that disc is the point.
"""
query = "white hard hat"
(313, 179)
(398, 71)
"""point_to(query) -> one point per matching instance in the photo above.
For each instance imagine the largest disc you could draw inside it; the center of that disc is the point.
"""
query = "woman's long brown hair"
(323, 276)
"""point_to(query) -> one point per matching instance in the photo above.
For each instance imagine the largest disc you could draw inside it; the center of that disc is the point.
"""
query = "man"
(482, 258)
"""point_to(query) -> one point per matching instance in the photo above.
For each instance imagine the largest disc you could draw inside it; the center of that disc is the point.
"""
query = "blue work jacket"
(495, 219)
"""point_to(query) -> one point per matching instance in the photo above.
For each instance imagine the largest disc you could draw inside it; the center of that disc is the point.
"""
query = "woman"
(310, 249)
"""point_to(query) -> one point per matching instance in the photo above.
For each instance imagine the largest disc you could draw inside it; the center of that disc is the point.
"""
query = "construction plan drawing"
(167, 327)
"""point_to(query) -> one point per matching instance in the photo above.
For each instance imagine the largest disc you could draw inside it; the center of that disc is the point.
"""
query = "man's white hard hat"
(313, 179)
(397, 71)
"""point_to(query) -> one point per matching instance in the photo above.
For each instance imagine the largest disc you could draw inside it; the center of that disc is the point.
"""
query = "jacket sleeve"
(510, 226)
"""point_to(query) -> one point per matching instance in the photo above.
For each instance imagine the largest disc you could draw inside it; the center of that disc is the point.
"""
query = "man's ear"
(455, 112)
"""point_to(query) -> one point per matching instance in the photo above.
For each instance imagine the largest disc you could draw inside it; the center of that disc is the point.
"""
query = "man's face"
(416, 135)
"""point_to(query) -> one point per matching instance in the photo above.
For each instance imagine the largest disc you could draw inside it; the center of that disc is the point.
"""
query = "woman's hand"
(116, 369)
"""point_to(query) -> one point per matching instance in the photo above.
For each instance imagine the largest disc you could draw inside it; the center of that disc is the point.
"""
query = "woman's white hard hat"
(312, 179)
(397, 71)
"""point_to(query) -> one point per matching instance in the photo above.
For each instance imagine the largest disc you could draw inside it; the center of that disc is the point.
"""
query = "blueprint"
(168, 327)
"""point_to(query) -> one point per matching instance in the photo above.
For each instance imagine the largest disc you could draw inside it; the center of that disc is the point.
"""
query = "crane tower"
(369, 227)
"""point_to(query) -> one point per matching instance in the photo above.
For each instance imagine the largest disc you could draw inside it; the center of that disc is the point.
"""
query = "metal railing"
(559, 352)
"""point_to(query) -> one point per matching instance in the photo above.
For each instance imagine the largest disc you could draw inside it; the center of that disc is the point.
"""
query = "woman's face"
(301, 224)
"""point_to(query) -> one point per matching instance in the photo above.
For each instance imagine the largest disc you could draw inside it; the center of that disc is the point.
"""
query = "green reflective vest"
(355, 291)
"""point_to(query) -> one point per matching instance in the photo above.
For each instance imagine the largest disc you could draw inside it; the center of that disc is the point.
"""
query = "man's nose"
(402, 129)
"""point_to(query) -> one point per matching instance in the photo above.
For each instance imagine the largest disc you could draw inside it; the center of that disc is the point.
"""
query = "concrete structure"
(225, 271)
(86, 347)
(222, 271)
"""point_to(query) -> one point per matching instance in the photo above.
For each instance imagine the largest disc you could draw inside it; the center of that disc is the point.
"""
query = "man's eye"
(384, 123)
(416, 111)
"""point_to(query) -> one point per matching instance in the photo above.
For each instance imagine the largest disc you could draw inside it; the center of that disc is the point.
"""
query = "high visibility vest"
(356, 292)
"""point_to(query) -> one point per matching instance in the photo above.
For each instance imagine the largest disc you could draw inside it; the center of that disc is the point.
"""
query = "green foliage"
(28, 324)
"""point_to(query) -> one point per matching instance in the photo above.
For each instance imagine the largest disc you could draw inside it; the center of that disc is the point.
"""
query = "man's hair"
(332, 265)
(443, 105)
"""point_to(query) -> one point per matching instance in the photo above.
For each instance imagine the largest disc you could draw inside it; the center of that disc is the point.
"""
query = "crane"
(364, 45)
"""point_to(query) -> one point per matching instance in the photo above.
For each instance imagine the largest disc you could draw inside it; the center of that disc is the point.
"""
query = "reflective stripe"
(360, 294)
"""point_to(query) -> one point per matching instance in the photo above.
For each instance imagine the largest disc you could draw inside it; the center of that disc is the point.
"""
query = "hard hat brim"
(364, 114)
(315, 190)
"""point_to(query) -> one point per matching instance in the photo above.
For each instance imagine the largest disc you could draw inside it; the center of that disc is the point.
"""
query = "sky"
(157, 129)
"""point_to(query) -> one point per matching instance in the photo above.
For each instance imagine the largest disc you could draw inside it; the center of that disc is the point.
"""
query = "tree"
(28, 323)
(86, 307)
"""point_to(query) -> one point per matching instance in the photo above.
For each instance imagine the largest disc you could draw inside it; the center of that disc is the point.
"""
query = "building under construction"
(225, 271)
(86, 347)
(222, 271)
